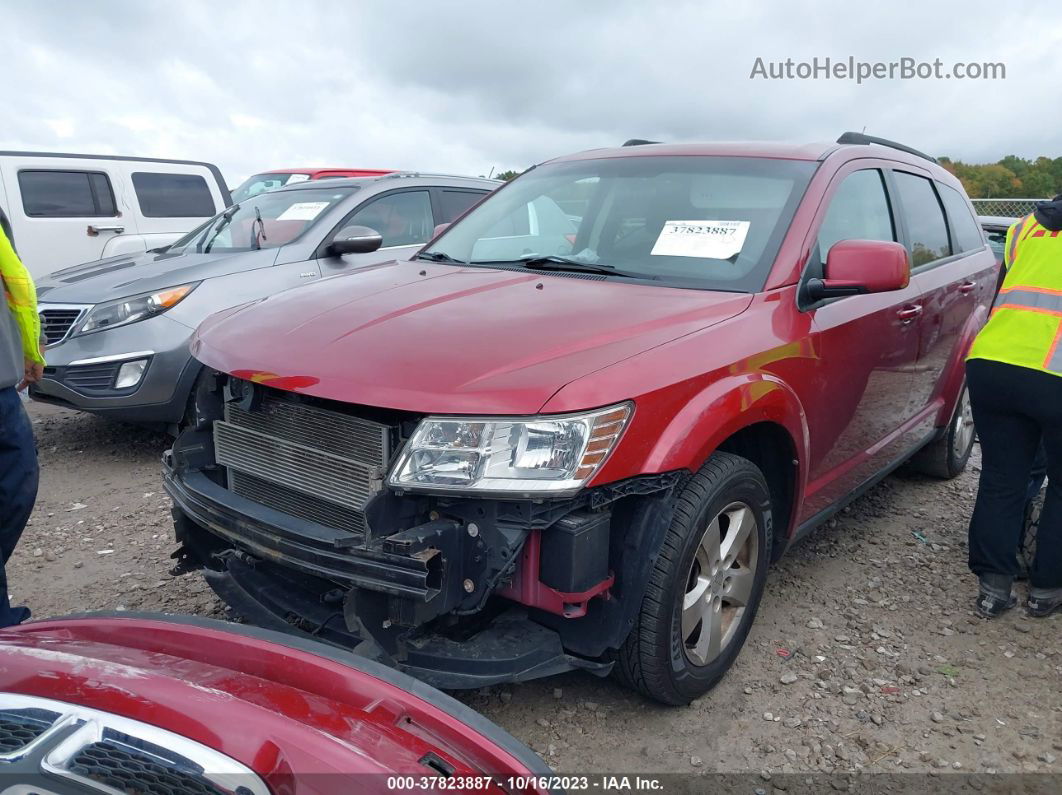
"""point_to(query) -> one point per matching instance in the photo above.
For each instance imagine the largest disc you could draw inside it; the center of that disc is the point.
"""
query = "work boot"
(995, 595)
(1044, 601)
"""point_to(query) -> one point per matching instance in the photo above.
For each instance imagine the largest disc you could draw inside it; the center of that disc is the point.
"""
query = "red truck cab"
(575, 430)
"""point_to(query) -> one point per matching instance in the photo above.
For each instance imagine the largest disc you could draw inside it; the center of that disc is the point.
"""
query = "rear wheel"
(947, 456)
(705, 585)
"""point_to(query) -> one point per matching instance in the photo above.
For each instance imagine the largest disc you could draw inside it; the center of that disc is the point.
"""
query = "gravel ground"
(866, 653)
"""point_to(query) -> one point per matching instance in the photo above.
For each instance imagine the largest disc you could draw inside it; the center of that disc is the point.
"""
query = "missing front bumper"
(510, 648)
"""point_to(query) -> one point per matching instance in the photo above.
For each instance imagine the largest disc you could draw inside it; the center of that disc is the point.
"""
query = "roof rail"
(860, 138)
(638, 142)
(414, 174)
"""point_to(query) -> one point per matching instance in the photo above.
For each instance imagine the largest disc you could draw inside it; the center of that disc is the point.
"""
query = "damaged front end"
(281, 498)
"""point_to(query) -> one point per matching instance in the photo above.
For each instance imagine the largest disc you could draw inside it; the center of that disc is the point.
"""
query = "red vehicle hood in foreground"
(439, 338)
(305, 718)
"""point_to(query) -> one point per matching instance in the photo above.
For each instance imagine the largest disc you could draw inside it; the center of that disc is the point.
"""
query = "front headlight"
(137, 307)
(490, 454)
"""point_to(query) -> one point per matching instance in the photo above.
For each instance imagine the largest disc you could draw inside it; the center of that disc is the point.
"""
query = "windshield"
(266, 221)
(705, 222)
(262, 183)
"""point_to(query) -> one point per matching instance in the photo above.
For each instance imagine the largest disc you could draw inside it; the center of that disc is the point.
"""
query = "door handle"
(909, 313)
(967, 287)
(94, 230)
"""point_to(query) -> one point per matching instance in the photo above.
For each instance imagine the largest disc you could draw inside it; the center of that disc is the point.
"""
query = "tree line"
(1012, 177)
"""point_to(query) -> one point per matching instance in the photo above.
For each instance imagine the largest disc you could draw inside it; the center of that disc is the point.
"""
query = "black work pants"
(18, 489)
(1014, 408)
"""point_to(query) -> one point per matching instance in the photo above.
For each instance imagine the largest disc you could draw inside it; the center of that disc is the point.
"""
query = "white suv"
(62, 209)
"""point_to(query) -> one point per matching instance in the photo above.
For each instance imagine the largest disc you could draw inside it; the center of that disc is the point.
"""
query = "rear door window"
(66, 194)
(402, 219)
(173, 195)
(453, 203)
(859, 210)
(922, 210)
(965, 231)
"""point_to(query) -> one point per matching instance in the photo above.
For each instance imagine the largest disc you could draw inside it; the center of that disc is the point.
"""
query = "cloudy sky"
(469, 86)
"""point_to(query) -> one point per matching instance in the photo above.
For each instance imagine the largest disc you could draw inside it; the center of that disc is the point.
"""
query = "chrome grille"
(20, 727)
(129, 769)
(107, 753)
(58, 319)
(311, 463)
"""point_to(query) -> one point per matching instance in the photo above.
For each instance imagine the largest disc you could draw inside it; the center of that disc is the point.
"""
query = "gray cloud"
(465, 87)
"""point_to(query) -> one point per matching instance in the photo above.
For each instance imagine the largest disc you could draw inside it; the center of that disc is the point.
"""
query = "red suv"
(575, 430)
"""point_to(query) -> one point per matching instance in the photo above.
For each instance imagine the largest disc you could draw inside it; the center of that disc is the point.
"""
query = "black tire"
(1027, 547)
(655, 658)
(946, 457)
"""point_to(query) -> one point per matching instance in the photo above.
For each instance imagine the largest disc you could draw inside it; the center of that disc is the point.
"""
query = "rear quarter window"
(173, 195)
(965, 231)
(453, 203)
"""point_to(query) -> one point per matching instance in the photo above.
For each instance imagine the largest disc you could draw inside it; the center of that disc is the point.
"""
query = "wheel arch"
(770, 447)
(755, 415)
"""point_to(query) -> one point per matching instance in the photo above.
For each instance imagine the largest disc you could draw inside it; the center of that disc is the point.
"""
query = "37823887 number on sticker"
(704, 239)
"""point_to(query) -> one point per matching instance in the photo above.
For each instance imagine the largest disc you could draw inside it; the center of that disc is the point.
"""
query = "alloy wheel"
(720, 583)
(963, 434)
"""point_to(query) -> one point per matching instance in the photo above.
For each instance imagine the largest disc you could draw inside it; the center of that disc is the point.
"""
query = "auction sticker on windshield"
(302, 211)
(705, 239)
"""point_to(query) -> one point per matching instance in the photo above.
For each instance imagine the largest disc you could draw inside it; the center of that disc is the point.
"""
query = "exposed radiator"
(311, 463)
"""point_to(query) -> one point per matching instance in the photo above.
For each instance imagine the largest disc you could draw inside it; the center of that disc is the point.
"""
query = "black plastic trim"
(824, 515)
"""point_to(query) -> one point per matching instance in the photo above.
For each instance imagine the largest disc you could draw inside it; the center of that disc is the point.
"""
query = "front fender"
(703, 420)
(722, 409)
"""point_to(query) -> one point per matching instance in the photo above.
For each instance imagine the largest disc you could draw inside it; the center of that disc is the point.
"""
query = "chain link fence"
(1008, 208)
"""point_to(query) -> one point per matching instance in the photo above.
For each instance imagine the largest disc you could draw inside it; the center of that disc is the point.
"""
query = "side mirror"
(857, 267)
(355, 240)
(439, 229)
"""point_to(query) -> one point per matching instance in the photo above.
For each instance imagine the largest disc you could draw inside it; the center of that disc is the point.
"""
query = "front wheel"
(705, 585)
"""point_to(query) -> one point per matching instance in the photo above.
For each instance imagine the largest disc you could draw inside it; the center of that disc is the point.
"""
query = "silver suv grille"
(311, 463)
(111, 754)
(58, 319)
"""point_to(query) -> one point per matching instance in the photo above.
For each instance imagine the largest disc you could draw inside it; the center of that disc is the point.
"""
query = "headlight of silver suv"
(124, 311)
(518, 455)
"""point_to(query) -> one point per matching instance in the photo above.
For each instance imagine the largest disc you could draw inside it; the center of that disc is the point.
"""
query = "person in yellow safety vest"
(21, 363)
(1014, 374)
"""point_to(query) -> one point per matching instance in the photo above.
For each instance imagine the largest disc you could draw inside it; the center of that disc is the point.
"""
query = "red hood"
(438, 338)
(282, 706)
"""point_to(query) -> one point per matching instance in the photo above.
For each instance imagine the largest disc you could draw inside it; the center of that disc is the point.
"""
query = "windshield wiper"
(260, 235)
(552, 262)
(439, 256)
(226, 217)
